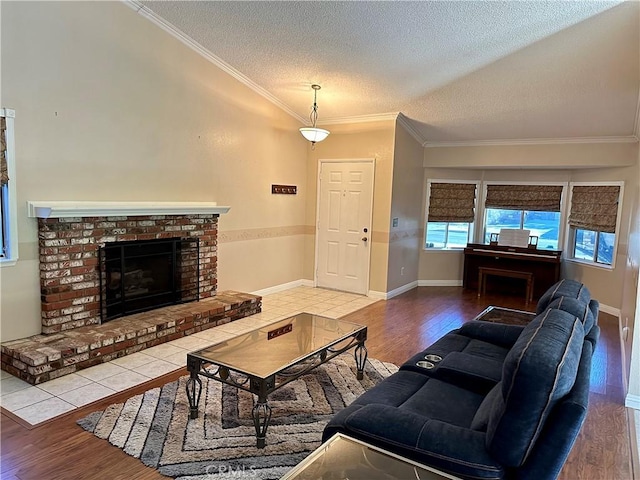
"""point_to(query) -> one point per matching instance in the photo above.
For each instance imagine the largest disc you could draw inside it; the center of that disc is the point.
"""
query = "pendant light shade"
(313, 133)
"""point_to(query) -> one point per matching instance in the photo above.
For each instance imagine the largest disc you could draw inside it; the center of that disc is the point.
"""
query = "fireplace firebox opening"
(141, 275)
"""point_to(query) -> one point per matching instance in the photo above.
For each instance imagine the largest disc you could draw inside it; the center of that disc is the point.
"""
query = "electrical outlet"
(401, 271)
(394, 222)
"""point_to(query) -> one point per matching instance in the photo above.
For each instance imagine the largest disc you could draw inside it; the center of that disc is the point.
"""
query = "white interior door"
(345, 201)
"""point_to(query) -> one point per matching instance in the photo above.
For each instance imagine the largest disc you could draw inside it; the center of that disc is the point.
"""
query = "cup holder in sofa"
(433, 358)
(425, 364)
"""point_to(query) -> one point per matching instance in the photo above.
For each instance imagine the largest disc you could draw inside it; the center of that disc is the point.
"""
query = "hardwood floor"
(397, 328)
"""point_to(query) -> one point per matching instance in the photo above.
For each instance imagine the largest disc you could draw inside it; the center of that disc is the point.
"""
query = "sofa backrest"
(538, 371)
(562, 427)
(564, 288)
(577, 309)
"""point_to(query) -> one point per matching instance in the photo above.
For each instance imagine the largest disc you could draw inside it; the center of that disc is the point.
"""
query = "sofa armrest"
(472, 372)
(457, 450)
(497, 333)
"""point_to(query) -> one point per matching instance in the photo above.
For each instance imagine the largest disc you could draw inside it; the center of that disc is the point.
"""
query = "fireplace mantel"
(58, 209)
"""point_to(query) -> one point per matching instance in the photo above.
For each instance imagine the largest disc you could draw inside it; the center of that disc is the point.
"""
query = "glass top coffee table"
(343, 457)
(263, 360)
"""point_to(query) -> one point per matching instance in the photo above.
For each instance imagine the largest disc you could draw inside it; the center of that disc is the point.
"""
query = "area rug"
(155, 427)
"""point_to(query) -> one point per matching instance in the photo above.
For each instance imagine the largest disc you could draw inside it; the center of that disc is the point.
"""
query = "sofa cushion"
(564, 288)
(394, 390)
(433, 401)
(480, 421)
(576, 308)
(447, 447)
(539, 369)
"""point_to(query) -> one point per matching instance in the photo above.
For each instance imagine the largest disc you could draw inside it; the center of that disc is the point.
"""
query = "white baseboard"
(393, 293)
(632, 401)
(405, 288)
(284, 286)
(439, 283)
(377, 295)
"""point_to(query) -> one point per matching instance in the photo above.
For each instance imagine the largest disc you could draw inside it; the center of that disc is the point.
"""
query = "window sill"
(8, 262)
(587, 263)
(456, 249)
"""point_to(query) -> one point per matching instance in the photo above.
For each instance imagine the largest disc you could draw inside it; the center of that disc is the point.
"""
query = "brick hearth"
(41, 358)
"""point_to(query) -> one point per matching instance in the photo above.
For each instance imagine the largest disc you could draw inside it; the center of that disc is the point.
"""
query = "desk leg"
(481, 279)
(361, 359)
(194, 386)
(261, 419)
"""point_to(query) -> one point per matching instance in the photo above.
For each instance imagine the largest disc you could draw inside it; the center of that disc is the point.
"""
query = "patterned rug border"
(155, 428)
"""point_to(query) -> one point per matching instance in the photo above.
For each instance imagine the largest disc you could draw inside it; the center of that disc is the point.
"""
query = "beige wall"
(630, 310)
(489, 163)
(367, 140)
(110, 107)
(405, 240)
(562, 156)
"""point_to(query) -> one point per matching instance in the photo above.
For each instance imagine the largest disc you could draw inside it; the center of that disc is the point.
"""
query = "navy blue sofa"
(489, 400)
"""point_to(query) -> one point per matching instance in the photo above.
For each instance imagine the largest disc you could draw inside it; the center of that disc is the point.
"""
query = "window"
(447, 234)
(544, 225)
(450, 214)
(592, 222)
(8, 219)
(531, 207)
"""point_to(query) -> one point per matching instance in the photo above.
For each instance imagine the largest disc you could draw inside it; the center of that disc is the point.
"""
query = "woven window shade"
(595, 207)
(524, 197)
(452, 202)
(4, 173)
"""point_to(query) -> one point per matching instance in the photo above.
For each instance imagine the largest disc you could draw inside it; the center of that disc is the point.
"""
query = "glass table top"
(270, 349)
(342, 457)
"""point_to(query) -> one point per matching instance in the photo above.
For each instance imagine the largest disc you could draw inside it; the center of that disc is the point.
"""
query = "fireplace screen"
(145, 274)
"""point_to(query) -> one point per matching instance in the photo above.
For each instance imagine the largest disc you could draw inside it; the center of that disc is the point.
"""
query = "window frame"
(472, 229)
(570, 243)
(9, 256)
(563, 207)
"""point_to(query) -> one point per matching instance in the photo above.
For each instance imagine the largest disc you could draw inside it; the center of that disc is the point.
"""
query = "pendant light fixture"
(313, 133)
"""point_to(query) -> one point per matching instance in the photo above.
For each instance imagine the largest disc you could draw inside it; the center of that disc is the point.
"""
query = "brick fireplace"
(69, 273)
(73, 336)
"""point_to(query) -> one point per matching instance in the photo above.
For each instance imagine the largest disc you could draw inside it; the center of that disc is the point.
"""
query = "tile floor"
(36, 404)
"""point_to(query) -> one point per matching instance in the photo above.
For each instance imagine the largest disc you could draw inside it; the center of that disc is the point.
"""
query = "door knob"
(364, 239)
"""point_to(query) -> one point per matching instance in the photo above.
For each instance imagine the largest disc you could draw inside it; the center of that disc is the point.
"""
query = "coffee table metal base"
(262, 387)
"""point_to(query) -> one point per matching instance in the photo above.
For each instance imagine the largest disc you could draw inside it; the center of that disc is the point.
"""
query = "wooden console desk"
(544, 265)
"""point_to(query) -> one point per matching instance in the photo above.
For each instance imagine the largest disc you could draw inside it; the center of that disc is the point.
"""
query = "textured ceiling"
(459, 71)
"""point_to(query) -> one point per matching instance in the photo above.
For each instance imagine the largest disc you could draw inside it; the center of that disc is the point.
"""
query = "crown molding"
(404, 121)
(209, 56)
(534, 141)
(376, 117)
